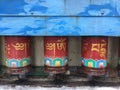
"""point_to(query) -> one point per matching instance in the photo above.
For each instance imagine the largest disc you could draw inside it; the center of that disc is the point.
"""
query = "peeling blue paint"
(100, 10)
(60, 26)
(60, 7)
(60, 17)
(11, 7)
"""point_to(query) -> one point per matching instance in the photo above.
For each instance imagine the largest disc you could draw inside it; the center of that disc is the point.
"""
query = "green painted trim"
(90, 61)
(21, 63)
(57, 60)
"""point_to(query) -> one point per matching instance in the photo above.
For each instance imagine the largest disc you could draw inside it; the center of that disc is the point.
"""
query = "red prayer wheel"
(55, 53)
(94, 55)
(119, 58)
(17, 54)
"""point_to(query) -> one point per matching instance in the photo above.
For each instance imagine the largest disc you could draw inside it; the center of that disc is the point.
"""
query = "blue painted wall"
(60, 17)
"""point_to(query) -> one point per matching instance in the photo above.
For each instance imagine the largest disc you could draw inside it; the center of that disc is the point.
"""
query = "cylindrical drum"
(94, 55)
(55, 53)
(118, 57)
(17, 54)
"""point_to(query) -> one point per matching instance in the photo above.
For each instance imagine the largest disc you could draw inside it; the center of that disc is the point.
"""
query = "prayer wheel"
(17, 54)
(94, 55)
(55, 53)
(118, 67)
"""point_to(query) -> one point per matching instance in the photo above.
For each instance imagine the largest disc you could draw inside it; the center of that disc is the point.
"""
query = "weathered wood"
(60, 7)
(60, 26)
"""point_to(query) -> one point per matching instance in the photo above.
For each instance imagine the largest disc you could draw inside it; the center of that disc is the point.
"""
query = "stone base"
(94, 71)
(55, 70)
(17, 71)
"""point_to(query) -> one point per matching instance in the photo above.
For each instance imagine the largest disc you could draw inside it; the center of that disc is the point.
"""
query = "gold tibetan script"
(50, 46)
(100, 48)
(60, 45)
(7, 47)
(19, 46)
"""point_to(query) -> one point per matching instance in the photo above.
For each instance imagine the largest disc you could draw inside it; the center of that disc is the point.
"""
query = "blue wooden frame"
(60, 17)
